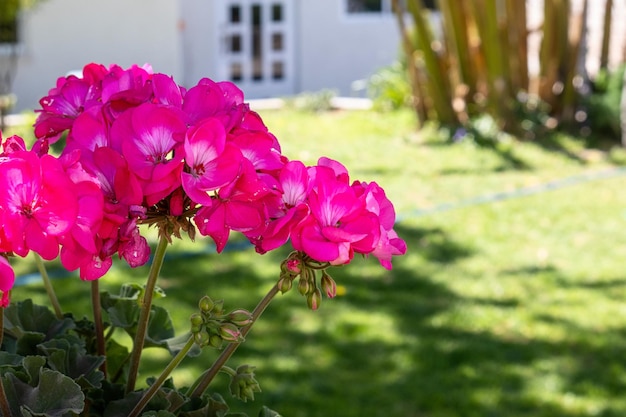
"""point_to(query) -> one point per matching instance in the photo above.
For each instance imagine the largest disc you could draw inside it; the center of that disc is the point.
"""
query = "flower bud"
(303, 285)
(201, 338)
(218, 308)
(196, 322)
(293, 266)
(314, 299)
(328, 285)
(246, 369)
(206, 304)
(240, 318)
(230, 333)
(285, 283)
(215, 341)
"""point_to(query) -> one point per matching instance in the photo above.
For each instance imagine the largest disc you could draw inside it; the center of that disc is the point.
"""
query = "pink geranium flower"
(37, 203)
(150, 137)
(7, 279)
(338, 223)
(212, 163)
(377, 202)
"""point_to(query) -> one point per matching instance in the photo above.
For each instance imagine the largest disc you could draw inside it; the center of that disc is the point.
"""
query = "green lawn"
(505, 308)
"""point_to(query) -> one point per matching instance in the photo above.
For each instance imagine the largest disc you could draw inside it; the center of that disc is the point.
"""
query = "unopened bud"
(285, 283)
(303, 285)
(218, 308)
(206, 304)
(215, 341)
(314, 299)
(328, 285)
(293, 266)
(230, 333)
(240, 318)
(201, 338)
(196, 322)
(246, 369)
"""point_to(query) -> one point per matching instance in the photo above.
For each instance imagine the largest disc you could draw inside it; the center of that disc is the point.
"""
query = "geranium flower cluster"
(141, 149)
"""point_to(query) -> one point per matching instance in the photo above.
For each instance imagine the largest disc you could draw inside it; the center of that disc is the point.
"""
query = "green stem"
(176, 360)
(230, 349)
(144, 316)
(4, 402)
(49, 288)
(97, 319)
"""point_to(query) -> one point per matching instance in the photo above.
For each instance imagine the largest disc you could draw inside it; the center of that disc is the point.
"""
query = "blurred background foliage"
(470, 58)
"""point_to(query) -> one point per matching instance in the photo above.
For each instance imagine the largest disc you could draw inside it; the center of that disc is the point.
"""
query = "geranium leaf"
(160, 328)
(25, 316)
(123, 313)
(55, 395)
(10, 359)
(266, 412)
(175, 345)
(32, 366)
(214, 406)
(69, 358)
(117, 358)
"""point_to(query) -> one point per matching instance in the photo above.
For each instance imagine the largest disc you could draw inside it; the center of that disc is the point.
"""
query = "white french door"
(256, 50)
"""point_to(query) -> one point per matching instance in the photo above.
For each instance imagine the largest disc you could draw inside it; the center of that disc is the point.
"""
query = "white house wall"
(200, 40)
(60, 36)
(336, 49)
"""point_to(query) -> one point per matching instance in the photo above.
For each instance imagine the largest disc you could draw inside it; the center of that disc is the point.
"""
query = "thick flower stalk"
(140, 149)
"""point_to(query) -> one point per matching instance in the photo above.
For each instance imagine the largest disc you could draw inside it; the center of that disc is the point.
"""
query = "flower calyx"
(243, 385)
(211, 326)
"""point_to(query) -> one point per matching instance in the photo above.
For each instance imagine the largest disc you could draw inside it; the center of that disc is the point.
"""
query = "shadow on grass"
(391, 346)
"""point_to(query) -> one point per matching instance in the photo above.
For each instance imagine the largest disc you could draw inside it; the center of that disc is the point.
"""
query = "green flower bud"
(201, 338)
(314, 299)
(218, 308)
(240, 318)
(328, 285)
(303, 285)
(215, 341)
(285, 283)
(246, 369)
(206, 304)
(197, 322)
(230, 333)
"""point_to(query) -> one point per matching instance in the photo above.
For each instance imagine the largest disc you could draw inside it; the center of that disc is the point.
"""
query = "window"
(277, 12)
(378, 6)
(365, 6)
(235, 14)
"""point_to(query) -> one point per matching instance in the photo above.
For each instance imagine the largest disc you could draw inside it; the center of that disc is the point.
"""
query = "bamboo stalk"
(606, 34)
(438, 85)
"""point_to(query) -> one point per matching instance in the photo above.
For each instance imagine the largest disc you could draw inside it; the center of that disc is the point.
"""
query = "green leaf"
(28, 325)
(123, 313)
(10, 359)
(117, 359)
(53, 396)
(32, 366)
(176, 344)
(266, 412)
(124, 406)
(213, 405)
(70, 358)
(160, 328)
(25, 316)
(160, 413)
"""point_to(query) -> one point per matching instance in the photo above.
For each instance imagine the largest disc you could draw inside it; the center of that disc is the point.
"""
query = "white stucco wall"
(63, 35)
(200, 40)
(336, 48)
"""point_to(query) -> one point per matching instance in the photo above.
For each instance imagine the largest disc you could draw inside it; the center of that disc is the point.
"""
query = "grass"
(507, 308)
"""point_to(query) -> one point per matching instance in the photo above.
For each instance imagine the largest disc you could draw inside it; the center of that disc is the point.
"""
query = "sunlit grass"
(504, 308)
